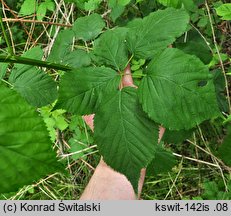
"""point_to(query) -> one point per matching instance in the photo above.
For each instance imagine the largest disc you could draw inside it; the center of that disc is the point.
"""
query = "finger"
(161, 133)
(89, 119)
(141, 181)
(127, 78)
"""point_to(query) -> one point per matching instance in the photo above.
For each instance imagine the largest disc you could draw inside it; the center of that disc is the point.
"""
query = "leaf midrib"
(128, 143)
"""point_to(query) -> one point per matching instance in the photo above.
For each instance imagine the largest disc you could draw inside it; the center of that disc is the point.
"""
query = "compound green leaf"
(34, 53)
(110, 49)
(25, 149)
(116, 12)
(32, 83)
(62, 51)
(28, 7)
(224, 150)
(224, 11)
(77, 59)
(195, 45)
(155, 32)
(123, 2)
(62, 46)
(219, 83)
(3, 69)
(176, 137)
(35, 86)
(88, 27)
(171, 3)
(50, 5)
(75, 1)
(126, 138)
(81, 90)
(91, 5)
(178, 91)
(188, 4)
(88, 5)
(116, 9)
(164, 161)
(42, 10)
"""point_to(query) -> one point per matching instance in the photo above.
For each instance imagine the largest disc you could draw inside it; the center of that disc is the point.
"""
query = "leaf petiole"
(129, 60)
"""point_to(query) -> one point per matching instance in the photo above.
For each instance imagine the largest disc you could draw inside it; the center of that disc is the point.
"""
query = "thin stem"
(209, 153)
(38, 63)
(177, 176)
(203, 37)
(196, 160)
(10, 38)
(129, 60)
(34, 21)
(219, 55)
(15, 15)
(6, 82)
(10, 50)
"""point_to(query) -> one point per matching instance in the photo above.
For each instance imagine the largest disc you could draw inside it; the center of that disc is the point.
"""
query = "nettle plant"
(175, 90)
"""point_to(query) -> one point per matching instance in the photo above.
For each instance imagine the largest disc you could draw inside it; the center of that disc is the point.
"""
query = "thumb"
(127, 78)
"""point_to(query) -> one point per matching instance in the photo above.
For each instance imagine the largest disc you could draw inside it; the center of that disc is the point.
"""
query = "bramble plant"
(29, 7)
(175, 90)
